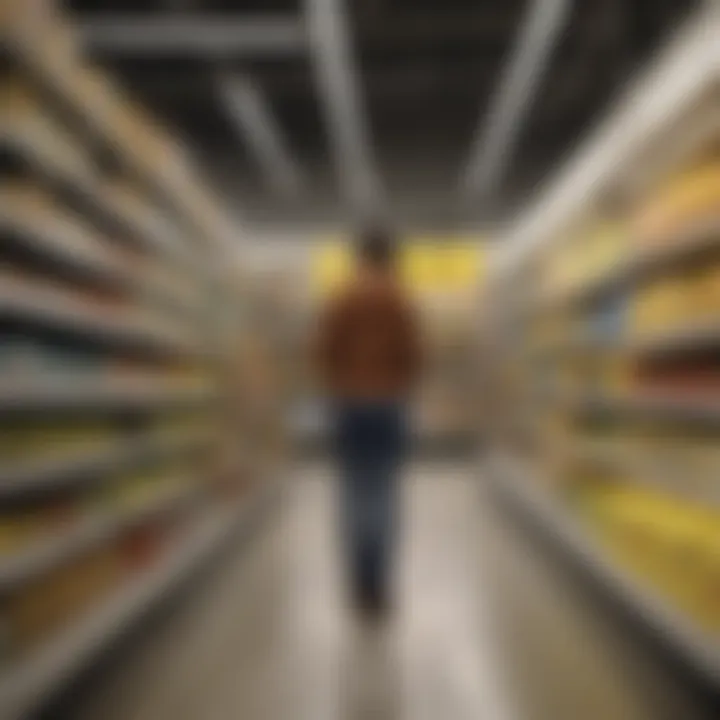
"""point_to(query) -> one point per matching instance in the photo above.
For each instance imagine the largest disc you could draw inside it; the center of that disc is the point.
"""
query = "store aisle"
(484, 629)
(270, 635)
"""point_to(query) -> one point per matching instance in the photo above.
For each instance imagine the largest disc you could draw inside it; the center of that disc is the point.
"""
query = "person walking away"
(369, 356)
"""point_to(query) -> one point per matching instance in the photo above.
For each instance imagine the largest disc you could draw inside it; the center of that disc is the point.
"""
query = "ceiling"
(427, 71)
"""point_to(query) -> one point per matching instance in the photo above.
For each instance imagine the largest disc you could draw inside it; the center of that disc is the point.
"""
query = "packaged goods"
(142, 546)
(673, 544)
(37, 611)
(110, 319)
(32, 441)
(646, 485)
(684, 200)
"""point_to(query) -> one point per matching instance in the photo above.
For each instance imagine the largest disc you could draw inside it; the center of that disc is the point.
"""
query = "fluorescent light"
(206, 36)
(496, 137)
(337, 78)
(247, 109)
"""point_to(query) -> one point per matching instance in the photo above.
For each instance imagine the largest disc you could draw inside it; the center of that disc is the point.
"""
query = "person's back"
(369, 357)
(370, 350)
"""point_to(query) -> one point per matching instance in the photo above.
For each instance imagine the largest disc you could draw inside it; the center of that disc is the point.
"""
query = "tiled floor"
(485, 627)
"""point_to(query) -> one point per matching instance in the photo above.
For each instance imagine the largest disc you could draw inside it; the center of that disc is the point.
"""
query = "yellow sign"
(426, 265)
(331, 266)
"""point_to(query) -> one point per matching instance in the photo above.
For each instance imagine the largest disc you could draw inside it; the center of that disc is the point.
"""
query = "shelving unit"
(33, 304)
(32, 475)
(27, 685)
(70, 393)
(697, 335)
(98, 529)
(120, 317)
(647, 470)
(682, 246)
(690, 641)
(606, 385)
(653, 405)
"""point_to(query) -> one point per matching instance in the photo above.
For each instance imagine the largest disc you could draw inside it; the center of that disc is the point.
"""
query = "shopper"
(369, 357)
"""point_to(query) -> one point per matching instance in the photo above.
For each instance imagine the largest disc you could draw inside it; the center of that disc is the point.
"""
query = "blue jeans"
(370, 446)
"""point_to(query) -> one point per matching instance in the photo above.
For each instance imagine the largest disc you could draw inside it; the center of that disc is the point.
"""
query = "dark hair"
(376, 247)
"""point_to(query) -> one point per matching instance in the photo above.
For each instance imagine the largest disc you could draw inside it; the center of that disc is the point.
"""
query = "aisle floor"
(485, 627)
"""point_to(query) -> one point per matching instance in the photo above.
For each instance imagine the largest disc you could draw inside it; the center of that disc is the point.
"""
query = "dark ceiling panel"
(427, 72)
(246, 6)
(446, 7)
(117, 6)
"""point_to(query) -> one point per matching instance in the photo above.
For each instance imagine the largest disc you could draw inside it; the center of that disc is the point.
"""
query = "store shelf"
(684, 337)
(48, 55)
(26, 686)
(58, 239)
(656, 405)
(72, 393)
(99, 113)
(53, 155)
(54, 473)
(159, 236)
(132, 224)
(135, 223)
(32, 136)
(68, 170)
(32, 303)
(655, 471)
(56, 550)
(650, 257)
(661, 254)
(698, 648)
(691, 336)
(114, 269)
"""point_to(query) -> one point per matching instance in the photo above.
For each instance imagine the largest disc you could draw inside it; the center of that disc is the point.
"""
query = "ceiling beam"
(203, 36)
(250, 114)
(496, 137)
(337, 78)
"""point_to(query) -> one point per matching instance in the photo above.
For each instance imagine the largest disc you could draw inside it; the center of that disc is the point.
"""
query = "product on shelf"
(21, 529)
(34, 440)
(142, 546)
(690, 297)
(609, 379)
(36, 612)
(110, 289)
(671, 543)
(686, 199)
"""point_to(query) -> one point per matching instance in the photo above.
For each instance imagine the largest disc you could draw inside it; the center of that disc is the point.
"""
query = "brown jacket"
(369, 342)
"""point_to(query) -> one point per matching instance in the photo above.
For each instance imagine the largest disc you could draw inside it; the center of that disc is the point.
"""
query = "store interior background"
(181, 183)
